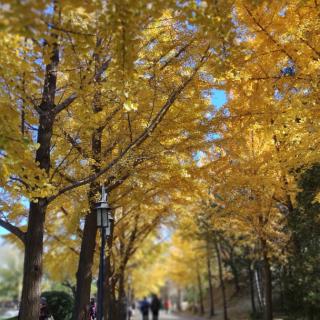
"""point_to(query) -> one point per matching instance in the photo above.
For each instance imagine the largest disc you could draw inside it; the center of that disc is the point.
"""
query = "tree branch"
(65, 103)
(13, 229)
(140, 139)
(73, 96)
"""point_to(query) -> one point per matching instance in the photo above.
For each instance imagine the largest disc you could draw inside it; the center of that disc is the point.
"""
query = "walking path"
(165, 316)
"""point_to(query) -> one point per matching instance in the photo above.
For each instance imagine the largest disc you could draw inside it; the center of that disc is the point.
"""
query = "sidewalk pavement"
(165, 316)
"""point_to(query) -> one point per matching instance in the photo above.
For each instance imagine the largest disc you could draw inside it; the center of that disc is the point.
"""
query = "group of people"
(146, 306)
(154, 306)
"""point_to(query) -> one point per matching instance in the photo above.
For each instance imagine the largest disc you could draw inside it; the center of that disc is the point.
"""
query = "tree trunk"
(259, 290)
(109, 285)
(112, 311)
(251, 279)
(282, 293)
(84, 273)
(234, 273)
(200, 292)
(223, 290)
(268, 288)
(122, 305)
(179, 307)
(210, 281)
(32, 272)
(88, 242)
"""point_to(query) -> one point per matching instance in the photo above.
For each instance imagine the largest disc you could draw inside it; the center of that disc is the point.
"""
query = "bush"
(60, 304)
(256, 316)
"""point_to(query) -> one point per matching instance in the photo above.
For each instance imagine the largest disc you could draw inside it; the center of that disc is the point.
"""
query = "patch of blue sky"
(3, 232)
(283, 11)
(49, 9)
(165, 234)
(218, 98)
(25, 202)
(198, 155)
(212, 136)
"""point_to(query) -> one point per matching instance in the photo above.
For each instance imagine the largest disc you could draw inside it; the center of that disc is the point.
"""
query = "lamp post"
(104, 223)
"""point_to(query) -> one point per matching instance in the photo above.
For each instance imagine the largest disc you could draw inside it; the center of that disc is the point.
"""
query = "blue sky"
(218, 98)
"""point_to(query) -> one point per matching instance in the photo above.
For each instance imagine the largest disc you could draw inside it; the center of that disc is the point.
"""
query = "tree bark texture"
(223, 289)
(84, 272)
(259, 288)
(201, 305)
(88, 243)
(252, 295)
(268, 314)
(32, 272)
(211, 312)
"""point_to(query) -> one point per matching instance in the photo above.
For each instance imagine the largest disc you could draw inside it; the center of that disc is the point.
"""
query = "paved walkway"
(165, 316)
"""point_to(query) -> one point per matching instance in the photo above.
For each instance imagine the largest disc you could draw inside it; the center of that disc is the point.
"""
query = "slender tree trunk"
(235, 274)
(281, 291)
(32, 272)
(88, 242)
(259, 290)
(252, 296)
(112, 312)
(107, 290)
(109, 285)
(84, 273)
(210, 281)
(179, 300)
(122, 298)
(200, 292)
(31, 290)
(268, 288)
(223, 289)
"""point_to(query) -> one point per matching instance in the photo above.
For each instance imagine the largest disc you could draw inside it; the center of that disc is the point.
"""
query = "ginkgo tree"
(55, 74)
(101, 92)
(267, 132)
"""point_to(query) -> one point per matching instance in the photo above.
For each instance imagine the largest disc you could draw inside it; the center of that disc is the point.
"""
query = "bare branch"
(73, 96)
(65, 103)
(13, 229)
(75, 144)
(102, 69)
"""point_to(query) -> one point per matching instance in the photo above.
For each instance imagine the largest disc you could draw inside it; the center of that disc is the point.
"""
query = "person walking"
(144, 308)
(155, 307)
(167, 305)
(44, 310)
(92, 309)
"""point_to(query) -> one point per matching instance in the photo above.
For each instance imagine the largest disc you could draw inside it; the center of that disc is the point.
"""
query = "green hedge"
(60, 304)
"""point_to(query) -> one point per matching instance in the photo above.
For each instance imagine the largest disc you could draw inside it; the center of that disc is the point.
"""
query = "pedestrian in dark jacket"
(92, 309)
(44, 310)
(144, 308)
(155, 307)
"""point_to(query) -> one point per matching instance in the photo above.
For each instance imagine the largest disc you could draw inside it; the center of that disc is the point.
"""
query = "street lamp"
(104, 223)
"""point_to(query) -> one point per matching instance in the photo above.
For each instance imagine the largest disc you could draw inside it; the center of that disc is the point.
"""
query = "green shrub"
(256, 316)
(60, 304)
